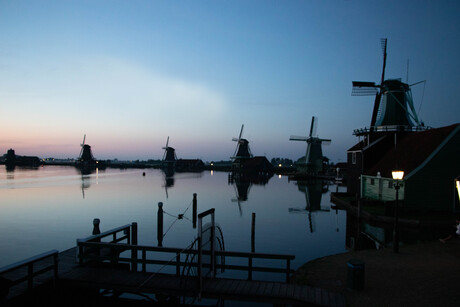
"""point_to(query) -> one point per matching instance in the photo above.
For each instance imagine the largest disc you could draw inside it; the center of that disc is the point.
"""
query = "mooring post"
(96, 229)
(194, 210)
(160, 224)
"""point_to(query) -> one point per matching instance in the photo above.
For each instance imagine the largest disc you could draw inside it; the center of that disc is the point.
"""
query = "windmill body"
(169, 156)
(244, 161)
(86, 161)
(393, 105)
(86, 155)
(313, 162)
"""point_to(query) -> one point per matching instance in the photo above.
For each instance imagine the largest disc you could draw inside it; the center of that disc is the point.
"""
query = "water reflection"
(313, 190)
(368, 234)
(86, 175)
(168, 174)
(242, 183)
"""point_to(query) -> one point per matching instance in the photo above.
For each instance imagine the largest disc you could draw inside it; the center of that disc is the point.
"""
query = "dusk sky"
(128, 74)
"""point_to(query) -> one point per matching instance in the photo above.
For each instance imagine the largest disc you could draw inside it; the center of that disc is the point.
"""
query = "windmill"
(393, 105)
(242, 150)
(169, 157)
(86, 156)
(314, 155)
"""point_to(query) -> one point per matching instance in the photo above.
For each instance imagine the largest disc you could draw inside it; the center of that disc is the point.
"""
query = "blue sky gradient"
(128, 74)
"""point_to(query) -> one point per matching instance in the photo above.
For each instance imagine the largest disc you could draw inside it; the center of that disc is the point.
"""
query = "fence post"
(160, 224)
(30, 272)
(213, 240)
(133, 248)
(288, 269)
(253, 231)
(56, 269)
(178, 264)
(79, 252)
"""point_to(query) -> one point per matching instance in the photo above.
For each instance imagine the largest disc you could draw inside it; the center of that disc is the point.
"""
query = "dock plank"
(123, 280)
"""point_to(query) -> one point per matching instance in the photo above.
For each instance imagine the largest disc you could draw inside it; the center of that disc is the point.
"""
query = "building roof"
(412, 150)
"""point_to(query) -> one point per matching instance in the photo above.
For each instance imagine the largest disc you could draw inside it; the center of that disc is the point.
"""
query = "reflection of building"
(313, 190)
(169, 178)
(242, 183)
(370, 234)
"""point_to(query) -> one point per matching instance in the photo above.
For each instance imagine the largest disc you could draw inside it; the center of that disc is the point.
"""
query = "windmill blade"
(362, 88)
(238, 141)
(325, 142)
(236, 150)
(84, 138)
(314, 126)
(167, 142)
(383, 42)
(298, 138)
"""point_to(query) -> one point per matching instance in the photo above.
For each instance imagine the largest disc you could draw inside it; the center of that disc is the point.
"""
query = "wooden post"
(160, 224)
(288, 270)
(55, 268)
(253, 233)
(213, 240)
(134, 250)
(253, 245)
(30, 273)
(194, 210)
(96, 229)
(177, 264)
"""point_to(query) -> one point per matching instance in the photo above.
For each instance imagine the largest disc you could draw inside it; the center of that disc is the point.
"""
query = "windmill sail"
(314, 155)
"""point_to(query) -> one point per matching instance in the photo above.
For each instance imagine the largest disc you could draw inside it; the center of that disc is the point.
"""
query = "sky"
(128, 74)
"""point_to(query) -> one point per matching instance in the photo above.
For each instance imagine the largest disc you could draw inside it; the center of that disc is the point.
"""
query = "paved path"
(424, 274)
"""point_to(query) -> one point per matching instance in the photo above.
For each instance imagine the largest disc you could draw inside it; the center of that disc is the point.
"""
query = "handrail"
(106, 233)
(119, 247)
(29, 263)
(129, 234)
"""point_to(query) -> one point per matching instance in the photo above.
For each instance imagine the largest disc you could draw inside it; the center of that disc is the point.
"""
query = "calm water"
(50, 207)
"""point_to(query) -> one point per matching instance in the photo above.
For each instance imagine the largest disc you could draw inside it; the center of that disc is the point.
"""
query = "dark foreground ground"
(423, 274)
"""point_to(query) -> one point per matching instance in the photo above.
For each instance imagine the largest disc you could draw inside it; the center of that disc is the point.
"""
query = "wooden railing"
(33, 269)
(127, 232)
(143, 260)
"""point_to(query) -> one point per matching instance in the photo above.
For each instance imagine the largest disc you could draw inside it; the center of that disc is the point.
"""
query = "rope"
(178, 217)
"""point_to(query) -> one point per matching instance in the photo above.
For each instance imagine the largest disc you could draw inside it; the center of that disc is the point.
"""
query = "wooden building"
(397, 140)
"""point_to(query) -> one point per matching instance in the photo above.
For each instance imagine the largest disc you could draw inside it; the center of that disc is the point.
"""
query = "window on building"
(390, 184)
(372, 181)
(353, 158)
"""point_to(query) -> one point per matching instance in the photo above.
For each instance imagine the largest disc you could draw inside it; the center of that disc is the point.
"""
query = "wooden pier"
(98, 267)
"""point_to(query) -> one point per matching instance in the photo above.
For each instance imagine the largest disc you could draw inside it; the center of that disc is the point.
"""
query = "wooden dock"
(98, 267)
(218, 288)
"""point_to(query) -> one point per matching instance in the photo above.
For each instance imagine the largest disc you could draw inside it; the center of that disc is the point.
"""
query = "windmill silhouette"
(393, 106)
(169, 156)
(313, 162)
(86, 155)
(242, 150)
